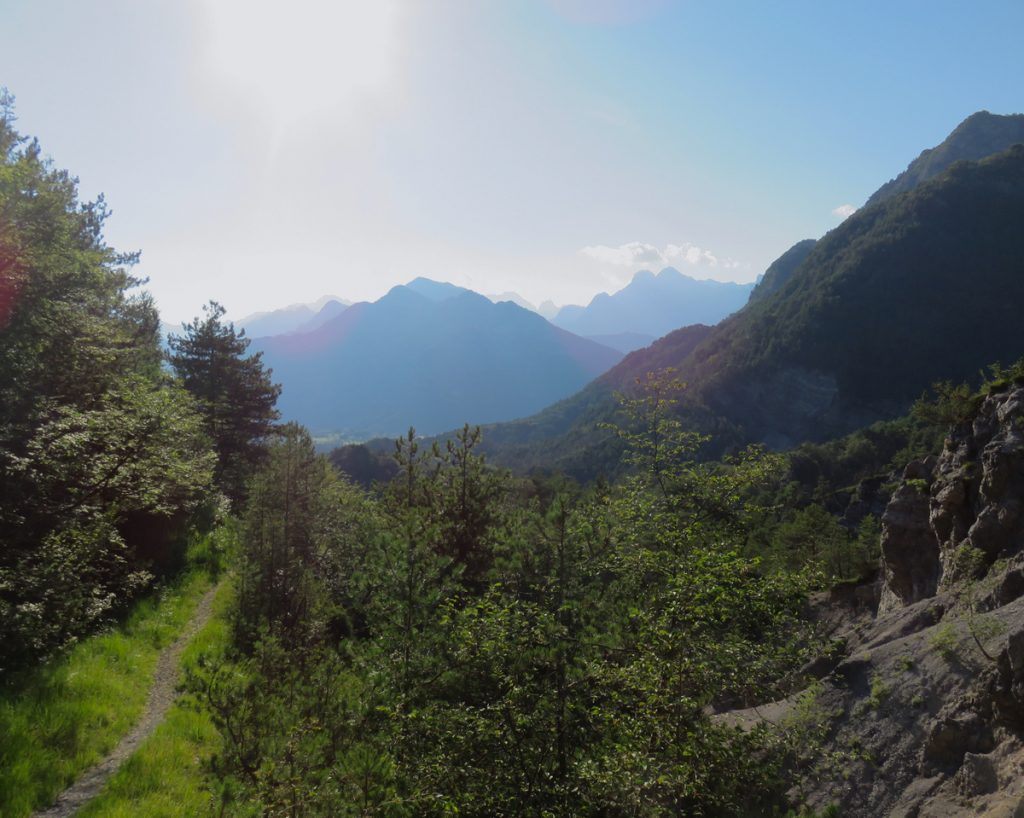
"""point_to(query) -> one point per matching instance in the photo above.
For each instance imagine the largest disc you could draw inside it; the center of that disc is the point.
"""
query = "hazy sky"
(265, 153)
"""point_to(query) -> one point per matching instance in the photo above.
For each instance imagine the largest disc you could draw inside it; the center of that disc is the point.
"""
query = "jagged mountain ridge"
(652, 305)
(293, 318)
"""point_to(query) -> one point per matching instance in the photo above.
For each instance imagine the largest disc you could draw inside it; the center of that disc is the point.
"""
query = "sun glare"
(299, 60)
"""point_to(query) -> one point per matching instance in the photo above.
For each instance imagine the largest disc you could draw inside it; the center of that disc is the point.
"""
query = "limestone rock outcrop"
(953, 516)
(921, 712)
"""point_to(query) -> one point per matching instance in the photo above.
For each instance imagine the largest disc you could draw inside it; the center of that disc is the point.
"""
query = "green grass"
(66, 715)
(164, 777)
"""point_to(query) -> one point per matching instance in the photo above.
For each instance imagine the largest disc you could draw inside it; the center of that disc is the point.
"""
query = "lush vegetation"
(164, 778)
(462, 642)
(102, 457)
(66, 715)
(233, 392)
(107, 463)
(440, 637)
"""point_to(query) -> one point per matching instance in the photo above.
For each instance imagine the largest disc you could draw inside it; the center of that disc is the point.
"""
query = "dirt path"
(161, 697)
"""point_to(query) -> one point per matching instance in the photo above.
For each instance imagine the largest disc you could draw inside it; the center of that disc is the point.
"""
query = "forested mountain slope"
(782, 269)
(885, 304)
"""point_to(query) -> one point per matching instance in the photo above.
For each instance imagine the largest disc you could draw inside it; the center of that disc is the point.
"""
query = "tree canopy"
(233, 391)
(102, 456)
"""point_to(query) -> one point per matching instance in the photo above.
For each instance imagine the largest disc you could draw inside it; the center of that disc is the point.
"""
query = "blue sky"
(267, 153)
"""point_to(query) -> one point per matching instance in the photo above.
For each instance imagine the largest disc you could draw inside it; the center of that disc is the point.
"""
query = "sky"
(267, 153)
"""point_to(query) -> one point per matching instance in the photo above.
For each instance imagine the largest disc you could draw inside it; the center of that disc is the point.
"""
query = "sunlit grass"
(68, 714)
(164, 777)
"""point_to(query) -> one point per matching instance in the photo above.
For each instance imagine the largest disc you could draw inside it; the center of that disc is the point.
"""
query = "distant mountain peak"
(515, 298)
(653, 304)
(435, 290)
(429, 354)
(293, 318)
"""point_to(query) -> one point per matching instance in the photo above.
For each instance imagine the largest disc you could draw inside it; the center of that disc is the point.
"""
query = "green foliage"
(283, 538)
(164, 778)
(60, 718)
(878, 693)
(465, 643)
(951, 405)
(102, 460)
(233, 391)
(945, 641)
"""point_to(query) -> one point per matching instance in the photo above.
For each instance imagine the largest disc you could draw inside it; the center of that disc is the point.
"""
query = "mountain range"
(430, 355)
(294, 318)
(917, 286)
(650, 306)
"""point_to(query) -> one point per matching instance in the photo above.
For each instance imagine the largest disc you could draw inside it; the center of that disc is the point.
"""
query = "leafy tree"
(101, 459)
(235, 394)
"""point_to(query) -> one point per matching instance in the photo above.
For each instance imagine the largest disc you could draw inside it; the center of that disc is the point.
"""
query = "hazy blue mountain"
(285, 319)
(430, 355)
(624, 341)
(981, 134)
(549, 309)
(332, 309)
(515, 298)
(434, 290)
(653, 305)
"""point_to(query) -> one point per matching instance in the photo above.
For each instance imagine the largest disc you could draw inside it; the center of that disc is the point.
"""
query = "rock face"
(953, 516)
(910, 550)
(922, 716)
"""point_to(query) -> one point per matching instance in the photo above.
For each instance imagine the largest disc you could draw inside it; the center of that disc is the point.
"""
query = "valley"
(553, 511)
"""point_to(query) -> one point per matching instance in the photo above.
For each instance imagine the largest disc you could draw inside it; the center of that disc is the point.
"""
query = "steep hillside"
(782, 269)
(565, 437)
(652, 305)
(884, 305)
(429, 355)
(920, 709)
(980, 135)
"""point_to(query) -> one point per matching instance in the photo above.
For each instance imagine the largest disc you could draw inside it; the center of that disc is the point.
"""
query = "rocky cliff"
(919, 711)
(954, 516)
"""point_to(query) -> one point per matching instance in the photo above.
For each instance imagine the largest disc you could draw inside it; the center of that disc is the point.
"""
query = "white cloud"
(626, 255)
(844, 211)
(636, 253)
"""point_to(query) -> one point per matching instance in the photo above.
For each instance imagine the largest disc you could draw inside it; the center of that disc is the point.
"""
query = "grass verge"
(69, 713)
(164, 777)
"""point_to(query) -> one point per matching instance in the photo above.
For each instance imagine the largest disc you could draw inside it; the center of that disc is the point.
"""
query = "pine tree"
(234, 393)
